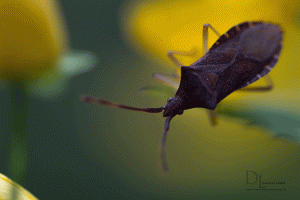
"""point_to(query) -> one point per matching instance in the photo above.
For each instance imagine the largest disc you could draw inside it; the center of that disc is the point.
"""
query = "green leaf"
(277, 115)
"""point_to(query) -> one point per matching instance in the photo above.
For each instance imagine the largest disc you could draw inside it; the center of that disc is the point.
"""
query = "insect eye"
(180, 112)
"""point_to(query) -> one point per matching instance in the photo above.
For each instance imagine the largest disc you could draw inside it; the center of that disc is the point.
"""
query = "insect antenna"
(163, 144)
(89, 99)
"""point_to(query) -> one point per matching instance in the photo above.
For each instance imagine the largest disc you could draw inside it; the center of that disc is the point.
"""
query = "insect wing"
(241, 56)
(258, 52)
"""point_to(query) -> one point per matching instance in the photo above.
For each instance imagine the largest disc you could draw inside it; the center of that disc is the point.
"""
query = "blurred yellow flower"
(32, 37)
(7, 186)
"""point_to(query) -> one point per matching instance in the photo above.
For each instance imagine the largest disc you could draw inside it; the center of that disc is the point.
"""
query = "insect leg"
(266, 88)
(171, 80)
(191, 53)
(175, 60)
(205, 36)
(213, 116)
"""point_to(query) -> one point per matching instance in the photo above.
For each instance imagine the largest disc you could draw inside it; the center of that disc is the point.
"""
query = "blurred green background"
(79, 151)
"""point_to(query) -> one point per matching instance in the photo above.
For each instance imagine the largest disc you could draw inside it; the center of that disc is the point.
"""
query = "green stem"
(18, 151)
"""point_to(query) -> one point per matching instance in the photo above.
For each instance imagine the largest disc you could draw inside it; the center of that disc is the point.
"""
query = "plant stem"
(18, 150)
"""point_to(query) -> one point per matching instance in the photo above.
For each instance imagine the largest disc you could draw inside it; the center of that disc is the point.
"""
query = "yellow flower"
(7, 186)
(32, 37)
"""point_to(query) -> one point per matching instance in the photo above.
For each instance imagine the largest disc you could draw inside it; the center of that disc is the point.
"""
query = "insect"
(241, 56)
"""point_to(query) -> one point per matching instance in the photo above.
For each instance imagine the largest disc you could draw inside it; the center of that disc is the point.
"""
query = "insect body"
(242, 55)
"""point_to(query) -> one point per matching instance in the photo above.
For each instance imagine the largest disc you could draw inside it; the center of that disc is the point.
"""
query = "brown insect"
(241, 56)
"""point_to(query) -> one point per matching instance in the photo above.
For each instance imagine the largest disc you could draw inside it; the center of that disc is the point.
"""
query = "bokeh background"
(80, 151)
